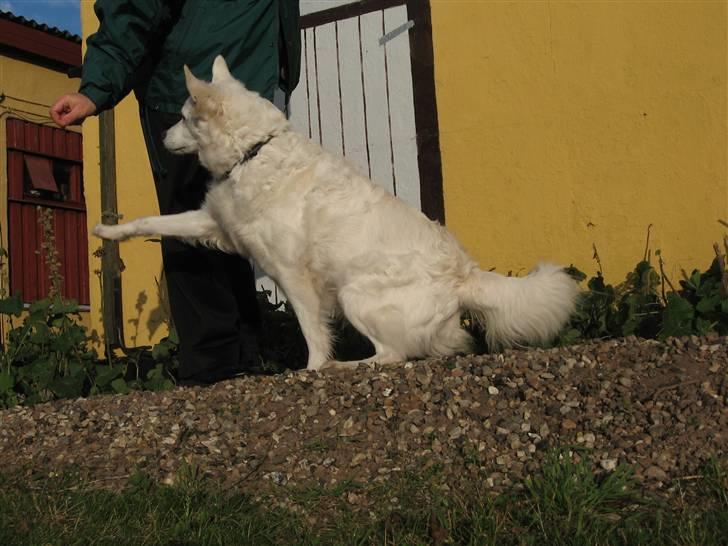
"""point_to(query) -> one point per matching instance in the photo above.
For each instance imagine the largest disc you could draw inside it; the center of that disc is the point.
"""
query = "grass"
(565, 503)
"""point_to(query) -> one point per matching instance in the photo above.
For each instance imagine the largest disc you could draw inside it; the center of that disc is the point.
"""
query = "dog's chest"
(258, 217)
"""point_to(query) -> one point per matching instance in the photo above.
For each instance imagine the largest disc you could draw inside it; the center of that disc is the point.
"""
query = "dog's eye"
(192, 121)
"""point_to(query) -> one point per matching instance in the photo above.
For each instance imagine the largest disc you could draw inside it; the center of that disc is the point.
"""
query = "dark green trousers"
(211, 294)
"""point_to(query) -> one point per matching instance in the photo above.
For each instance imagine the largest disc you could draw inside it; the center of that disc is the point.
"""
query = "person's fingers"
(59, 109)
(76, 114)
(71, 109)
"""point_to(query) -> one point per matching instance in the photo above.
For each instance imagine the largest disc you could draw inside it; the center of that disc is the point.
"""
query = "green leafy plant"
(46, 355)
(642, 306)
(140, 368)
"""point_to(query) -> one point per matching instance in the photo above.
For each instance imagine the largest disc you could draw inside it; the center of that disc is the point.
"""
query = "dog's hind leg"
(384, 352)
(404, 322)
(195, 227)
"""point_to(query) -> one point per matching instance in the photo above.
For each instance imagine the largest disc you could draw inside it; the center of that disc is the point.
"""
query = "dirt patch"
(661, 407)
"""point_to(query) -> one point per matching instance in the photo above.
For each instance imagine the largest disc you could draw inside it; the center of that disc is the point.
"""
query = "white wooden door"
(355, 96)
(357, 99)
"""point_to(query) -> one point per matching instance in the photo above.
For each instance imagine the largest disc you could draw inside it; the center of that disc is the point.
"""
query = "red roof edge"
(36, 42)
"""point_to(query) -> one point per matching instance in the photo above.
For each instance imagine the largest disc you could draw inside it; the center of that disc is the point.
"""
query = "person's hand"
(72, 108)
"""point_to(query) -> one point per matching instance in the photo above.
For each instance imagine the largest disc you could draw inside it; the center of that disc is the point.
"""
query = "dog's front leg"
(195, 226)
(312, 315)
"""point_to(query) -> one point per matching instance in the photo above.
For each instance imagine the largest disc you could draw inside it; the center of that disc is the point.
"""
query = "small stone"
(568, 424)
(456, 433)
(358, 458)
(502, 460)
(656, 473)
(608, 464)
(493, 390)
(278, 478)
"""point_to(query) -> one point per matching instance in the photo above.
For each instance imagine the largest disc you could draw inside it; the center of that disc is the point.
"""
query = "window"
(38, 176)
(45, 168)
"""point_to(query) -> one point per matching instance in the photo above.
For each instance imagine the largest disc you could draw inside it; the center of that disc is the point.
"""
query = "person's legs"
(211, 294)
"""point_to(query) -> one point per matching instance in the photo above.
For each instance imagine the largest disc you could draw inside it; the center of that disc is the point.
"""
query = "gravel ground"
(661, 407)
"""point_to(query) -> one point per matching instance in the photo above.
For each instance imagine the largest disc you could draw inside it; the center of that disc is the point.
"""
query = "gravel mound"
(661, 407)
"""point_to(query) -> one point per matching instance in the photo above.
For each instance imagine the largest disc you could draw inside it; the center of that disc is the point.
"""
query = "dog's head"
(222, 120)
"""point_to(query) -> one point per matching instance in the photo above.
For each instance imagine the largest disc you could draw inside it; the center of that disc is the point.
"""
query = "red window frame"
(33, 144)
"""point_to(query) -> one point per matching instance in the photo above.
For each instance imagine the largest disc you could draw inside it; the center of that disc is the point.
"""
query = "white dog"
(333, 240)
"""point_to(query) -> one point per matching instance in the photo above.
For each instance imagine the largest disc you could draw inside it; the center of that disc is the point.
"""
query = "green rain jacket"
(142, 45)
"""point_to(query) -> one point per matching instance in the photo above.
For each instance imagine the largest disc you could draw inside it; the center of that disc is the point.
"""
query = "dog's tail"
(520, 310)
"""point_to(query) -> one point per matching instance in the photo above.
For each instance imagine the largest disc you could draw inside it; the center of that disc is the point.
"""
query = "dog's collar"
(250, 154)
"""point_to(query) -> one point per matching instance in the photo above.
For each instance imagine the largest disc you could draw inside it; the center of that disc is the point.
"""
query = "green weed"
(564, 503)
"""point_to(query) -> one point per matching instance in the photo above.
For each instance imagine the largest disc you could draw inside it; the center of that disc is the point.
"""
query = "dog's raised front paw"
(113, 233)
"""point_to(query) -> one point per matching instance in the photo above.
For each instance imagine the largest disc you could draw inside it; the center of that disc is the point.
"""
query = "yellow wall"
(135, 197)
(570, 123)
(563, 124)
(29, 91)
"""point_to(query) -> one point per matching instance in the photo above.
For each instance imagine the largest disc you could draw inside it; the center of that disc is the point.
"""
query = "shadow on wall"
(159, 316)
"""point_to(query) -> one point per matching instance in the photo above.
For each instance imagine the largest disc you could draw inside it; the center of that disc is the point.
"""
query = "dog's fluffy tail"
(520, 310)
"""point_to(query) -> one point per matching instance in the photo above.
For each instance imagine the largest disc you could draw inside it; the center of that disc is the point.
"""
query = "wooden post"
(428, 131)
(111, 265)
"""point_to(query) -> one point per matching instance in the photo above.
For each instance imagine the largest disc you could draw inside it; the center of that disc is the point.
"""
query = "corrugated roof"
(41, 26)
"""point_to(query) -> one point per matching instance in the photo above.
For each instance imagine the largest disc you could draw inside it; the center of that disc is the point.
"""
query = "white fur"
(333, 240)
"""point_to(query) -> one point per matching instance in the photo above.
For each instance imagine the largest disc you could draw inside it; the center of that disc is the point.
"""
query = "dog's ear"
(203, 95)
(197, 88)
(220, 70)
